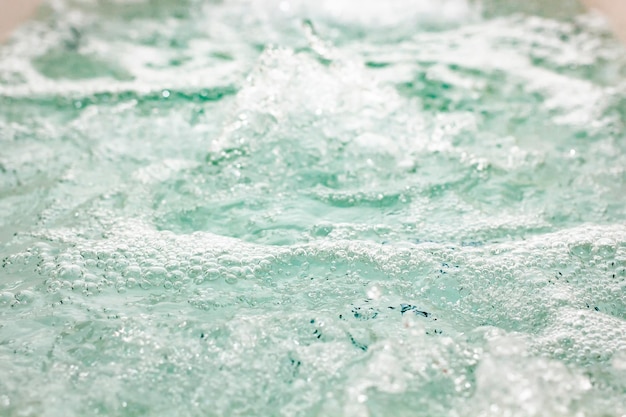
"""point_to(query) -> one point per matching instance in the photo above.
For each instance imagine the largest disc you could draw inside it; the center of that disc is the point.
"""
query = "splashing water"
(332, 208)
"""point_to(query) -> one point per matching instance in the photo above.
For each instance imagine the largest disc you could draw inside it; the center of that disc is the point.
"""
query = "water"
(333, 208)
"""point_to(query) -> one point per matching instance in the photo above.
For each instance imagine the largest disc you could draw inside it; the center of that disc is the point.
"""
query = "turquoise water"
(331, 208)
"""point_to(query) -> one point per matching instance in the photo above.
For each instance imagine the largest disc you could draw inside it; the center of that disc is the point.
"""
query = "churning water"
(312, 208)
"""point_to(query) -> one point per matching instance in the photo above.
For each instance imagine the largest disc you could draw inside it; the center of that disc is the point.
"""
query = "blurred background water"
(331, 208)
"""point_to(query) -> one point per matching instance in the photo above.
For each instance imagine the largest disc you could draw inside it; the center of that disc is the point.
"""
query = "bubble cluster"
(295, 209)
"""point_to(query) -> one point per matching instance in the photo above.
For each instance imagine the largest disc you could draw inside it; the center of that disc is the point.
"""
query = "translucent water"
(298, 208)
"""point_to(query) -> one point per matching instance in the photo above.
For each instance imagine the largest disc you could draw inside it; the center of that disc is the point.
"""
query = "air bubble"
(230, 278)
(69, 272)
(605, 247)
(582, 250)
(211, 274)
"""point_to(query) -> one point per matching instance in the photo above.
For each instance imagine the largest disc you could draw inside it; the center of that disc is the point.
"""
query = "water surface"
(293, 208)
